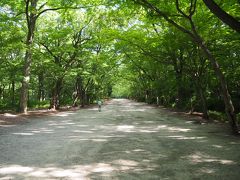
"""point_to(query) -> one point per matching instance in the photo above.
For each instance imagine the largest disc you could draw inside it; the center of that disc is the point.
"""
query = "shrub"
(219, 116)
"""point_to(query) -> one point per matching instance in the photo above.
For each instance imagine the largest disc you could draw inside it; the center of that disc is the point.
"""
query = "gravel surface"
(126, 140)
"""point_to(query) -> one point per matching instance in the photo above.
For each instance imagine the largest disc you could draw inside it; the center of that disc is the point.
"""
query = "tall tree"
(192, 32)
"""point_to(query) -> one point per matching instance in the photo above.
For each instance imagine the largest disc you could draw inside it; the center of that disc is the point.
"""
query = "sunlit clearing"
(147, 131)
(207, 170)
(24, 134)
(99, 140)
(134, 110)
(125, 128)
(125, 162)
(199, 157)
(102, 167)
(178, 129)
(15, 169)
(78, 131)
(65, 114)
(1, 125)
(173, 129)
(82, 125)
(10, 115)
(64, 173)
(217, 146)
(185, 138)
(138, 150)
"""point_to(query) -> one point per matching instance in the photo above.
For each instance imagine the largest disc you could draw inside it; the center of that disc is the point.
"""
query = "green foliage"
(121, 89)
(38, 104)
(219, 116)
(120, 49)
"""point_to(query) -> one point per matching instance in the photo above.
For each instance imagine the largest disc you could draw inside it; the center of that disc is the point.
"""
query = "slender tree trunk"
(229, 108)
(75, 99)
(83, 97)
(81, 90)
(202, 96)
(204, 104)
(180, 90)
(77, 93)
(41, 87)
(13, 93)
(56, 91)
(1, 92)
(31, 23)
(178, 66)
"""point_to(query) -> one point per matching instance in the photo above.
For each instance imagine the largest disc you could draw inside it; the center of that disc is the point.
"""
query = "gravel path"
(127, 140)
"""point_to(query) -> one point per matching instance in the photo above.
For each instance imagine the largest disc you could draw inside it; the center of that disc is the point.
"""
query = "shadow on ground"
(127, 140)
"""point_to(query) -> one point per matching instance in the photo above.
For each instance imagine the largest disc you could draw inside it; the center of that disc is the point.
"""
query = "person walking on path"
(99, 105)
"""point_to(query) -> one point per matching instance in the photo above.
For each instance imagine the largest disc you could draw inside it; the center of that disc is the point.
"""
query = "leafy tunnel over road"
(127, 140)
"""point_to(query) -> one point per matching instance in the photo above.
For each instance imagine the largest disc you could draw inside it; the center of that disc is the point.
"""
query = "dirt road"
(127, 140)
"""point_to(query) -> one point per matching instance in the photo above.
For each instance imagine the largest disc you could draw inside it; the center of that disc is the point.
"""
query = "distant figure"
(99, 105)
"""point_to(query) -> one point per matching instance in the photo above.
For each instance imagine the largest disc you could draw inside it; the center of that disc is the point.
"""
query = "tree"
(223, 15)
(192, 32)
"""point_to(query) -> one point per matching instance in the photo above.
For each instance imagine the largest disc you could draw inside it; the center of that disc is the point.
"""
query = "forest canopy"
(183, 54)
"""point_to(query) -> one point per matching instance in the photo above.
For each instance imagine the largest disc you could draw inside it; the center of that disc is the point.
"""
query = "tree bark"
(77, 93)
(178, 63)
(229, 108)
(83, 97)
(25, 83)
(31, 23)
(202, 96)
(13, 93)
(56, 92)
(222, 15)
(75, 99)
(204, 104)
(41, 92)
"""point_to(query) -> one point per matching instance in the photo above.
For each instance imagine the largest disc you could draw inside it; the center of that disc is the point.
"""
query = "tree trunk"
(178, 67)
(31, 23)
(25, 82)
(2, 90)
(13, 93)
(202, 96)
(204, 104)
(83, 97)
(41, 92)
(222, 15)
(77, 93)
(180, 90)
(56, 95)
(229, 108)
(75, 98)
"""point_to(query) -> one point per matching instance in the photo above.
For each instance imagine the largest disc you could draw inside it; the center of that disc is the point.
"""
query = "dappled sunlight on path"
(127, 140)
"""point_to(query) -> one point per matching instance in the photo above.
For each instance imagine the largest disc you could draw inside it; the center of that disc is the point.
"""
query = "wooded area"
(183, 54)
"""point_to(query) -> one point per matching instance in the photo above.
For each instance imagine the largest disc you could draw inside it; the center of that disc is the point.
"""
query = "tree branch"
(59, 8)
(42, 6)
(146, 3)
(26, 12)
(48, 50)
(180, 11)
(222, 15)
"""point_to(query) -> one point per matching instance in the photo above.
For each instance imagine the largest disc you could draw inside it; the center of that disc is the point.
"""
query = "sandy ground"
(127, 140)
